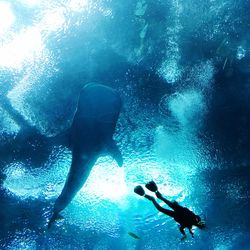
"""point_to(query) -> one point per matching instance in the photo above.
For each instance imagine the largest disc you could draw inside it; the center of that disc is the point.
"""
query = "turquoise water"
(182, 70)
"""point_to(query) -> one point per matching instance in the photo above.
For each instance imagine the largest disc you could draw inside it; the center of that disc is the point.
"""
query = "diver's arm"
(158, 207)
(183, 232)
(191, 232)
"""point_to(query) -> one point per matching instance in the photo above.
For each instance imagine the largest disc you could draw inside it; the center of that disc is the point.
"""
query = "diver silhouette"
(182, 215)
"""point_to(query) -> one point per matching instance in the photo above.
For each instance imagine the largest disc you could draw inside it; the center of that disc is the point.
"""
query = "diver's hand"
(184, 237)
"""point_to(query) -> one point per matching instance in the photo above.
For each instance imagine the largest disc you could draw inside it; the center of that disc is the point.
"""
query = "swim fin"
(139, 190)
(151, 186)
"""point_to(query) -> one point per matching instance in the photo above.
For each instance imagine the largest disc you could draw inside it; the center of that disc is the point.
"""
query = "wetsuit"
(182, 215)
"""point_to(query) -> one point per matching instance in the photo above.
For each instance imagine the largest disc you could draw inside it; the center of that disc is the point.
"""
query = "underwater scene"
(124, 125)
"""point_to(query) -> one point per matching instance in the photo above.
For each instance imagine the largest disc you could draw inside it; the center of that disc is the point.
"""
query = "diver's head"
(199, 223)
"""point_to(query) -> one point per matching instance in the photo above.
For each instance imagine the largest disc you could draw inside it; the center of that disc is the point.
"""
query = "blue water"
(182, 68)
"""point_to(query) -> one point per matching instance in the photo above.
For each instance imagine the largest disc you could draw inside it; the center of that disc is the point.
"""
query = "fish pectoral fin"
(115, 152)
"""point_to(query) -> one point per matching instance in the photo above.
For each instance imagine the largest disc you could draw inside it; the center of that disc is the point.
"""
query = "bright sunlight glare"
(7, 17)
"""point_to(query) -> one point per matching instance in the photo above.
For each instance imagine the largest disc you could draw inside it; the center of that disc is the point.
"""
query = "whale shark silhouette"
(90, 135)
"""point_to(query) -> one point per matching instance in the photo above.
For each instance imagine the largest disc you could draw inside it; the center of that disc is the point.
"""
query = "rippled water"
(182, 70)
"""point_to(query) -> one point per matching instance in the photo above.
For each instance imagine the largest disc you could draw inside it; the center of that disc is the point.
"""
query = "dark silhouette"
(91, 136)
(182, 215)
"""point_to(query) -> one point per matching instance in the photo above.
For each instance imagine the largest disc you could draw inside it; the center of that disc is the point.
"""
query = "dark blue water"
(182, 69)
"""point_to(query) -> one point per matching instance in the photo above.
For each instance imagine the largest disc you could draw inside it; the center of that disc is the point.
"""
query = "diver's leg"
(168, 202)
(159, 208)
(153, 188)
